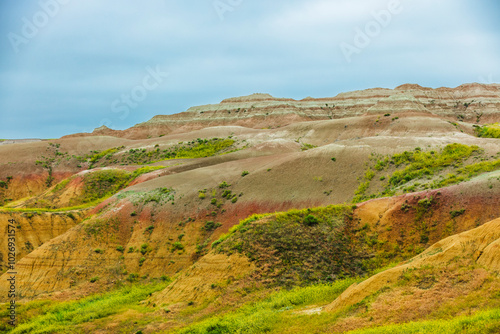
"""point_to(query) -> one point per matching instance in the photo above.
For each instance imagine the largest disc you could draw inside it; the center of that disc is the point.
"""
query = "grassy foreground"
(44, 316)
(480, 323)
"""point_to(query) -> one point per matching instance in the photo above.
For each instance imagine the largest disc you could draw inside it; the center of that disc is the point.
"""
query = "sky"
(69, 66)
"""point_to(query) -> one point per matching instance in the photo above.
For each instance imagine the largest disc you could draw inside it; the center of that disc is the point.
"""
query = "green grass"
(480, 323)
(99, 155)
(200, 148)
(55, 317)
(103, 183)
(270, 313)
(488, 131)
(98, 186)
(300, 247)
(71, 208)
(422, 166)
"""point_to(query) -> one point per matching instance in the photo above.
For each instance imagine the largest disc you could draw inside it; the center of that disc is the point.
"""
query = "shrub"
(132, 277)
(99, 251)
(456, 213)
(94, 279)
(245, 173)
(334, 159)
(224, 184)
(310, 220)
(141, 261)
(177, 246)
(210, 225)
(202, 195)
(145, 249)
(120, 249)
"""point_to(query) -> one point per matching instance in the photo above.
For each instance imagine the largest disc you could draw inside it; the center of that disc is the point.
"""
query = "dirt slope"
(479, 245)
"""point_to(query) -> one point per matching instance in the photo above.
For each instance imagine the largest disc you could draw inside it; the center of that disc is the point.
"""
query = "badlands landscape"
(373, 211)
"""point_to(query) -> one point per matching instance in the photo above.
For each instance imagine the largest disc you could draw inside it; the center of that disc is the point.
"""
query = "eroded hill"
(203, 216)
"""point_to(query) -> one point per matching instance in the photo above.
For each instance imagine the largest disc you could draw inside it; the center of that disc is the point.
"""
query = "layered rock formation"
(473, 103)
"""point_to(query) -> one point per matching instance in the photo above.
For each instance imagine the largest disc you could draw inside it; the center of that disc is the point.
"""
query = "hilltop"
(476, 103)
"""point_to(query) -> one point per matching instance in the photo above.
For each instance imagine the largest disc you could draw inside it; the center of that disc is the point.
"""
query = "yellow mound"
(481, 245)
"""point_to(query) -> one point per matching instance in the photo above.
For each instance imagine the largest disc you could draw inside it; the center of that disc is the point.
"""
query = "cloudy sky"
(70, 66)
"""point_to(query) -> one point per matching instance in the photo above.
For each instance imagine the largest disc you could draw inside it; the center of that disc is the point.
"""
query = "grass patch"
(488, 131)
(300, 247)
(199, 148)
(270, 313)
(424, 167)
(479, 323)
(54, 317)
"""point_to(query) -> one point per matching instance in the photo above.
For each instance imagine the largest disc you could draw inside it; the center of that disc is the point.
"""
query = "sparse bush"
(310, 220)
(224, 184)
(177, 246)
(245, 173)
(94, 279)
(456, 213)
(211, 225)
(149, 229)
(120, 249)
(145, 249)
(132, 277)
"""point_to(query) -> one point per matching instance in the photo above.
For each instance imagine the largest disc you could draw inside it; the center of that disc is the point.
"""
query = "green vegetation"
(51, 161)
(177, 246)
(202, 194)
(199, 148)
(224, 184)
(210, 226)
(301, 246)
(479, 323)
(423, 166)
(103, 183)
(245, 173)
(106, 153)
(271, 313)
(456, 213)
(44, 316)
(306, 147)
(157, 196)
(488, 131)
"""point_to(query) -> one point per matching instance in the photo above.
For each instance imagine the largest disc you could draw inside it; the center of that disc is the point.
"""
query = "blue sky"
(70, 66)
